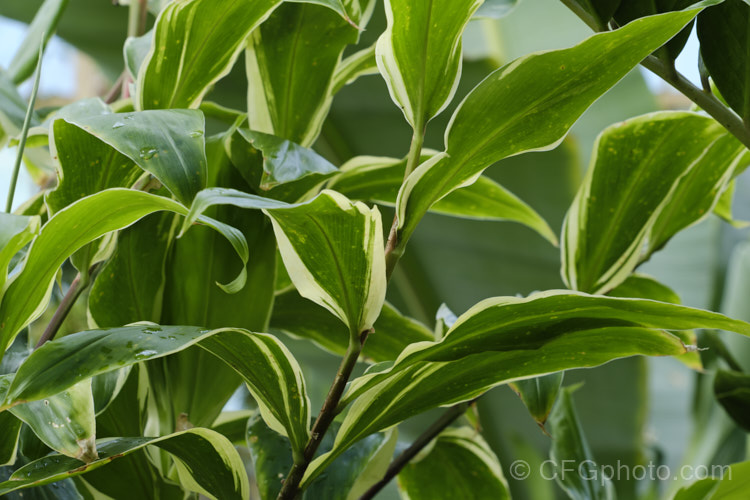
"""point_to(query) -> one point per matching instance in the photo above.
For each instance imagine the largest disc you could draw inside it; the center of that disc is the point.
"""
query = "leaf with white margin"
(207, 463)
(27, 294)
(419, 54)
(538, 97)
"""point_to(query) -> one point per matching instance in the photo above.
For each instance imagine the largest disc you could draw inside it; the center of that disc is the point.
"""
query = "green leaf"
(360, 63)
(730, 484)
(333, 250)
(300, 318)
(290, 71)
(272, 456)
(27, 295)
(64, 421)
(537, 111)
(233, 425)
(379, 179)
(129, 287)
(11, 427)
(288, 170)
(725, 45)
(572, 460)
(459, 464)
(169, 144)
(15, 232)
(508, 338)
(419, 55)
(196, 42)
(732, 391)
(539, 394)
(650, 177)
(599, 12)
(353, 11)
(272, 374)
(495, 9)
(136, 50)
(206, 461)
(634, 9)
(38, 34)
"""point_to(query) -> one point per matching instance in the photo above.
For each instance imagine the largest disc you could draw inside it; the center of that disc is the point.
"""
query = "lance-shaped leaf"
(650, 177)
(508, 338)
(355, 12)
(38, 33)
(275, 167)
(169, 144)
(379, 179)
(360, 63)
(82, 222)
(333, 251)
(270, 371)
(300, 318)
(633, 9)
(459, 464)
(15, 232)
(725, 51)
(136, 50)
(582, 480)
(290, 71)
(196, 42)
(539, 394)
(11, 427)
(216, 471)
(538, 98)
(597, 12)
(65, 422)
(419, 54)
(732, 483)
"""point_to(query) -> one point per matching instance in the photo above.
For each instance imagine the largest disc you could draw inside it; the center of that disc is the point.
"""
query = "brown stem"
(418, 445)
(75, 290)
(114, 92)
(290, 489)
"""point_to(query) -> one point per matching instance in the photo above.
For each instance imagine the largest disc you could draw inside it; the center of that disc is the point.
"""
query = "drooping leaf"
(505, 339)
(333, 250)
(460, 464)
(650, 177)
(28, 293)
(64, 421)
(537, 111)
(233, 425)
(724, 45)
(300, 318)
(196, 42)
(379, 179)
(206, 461)
(419, 55)
(732, 391)
(15, 232)
(272, 456)
(290, 71)
(581, 480)
(270, 371)
(169, 144)
(539, 394)
(38, 33)
(194, 381)
(11, 427)
(276, 167)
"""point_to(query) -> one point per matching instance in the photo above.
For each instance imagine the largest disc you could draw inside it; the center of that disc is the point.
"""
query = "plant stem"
(74, 291)
(24, 133)
(707, 101)
(418, 445)
(290, 489)
(394, 247)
